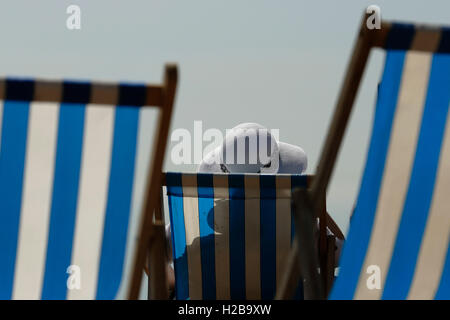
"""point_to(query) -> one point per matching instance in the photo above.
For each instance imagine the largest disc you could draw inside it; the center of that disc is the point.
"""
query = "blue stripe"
(237, 236)
(19, 89)
(64, 200)
(443, 291)
(420, 193)
(119, 201)
(355, 248)
(132, 94)
(178, 236)
(12, 160)
(268, 237)
(76, 92)
(206, 225)
(400, 36)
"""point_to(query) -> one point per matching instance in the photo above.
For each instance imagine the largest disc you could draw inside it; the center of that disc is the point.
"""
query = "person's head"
(252, 148)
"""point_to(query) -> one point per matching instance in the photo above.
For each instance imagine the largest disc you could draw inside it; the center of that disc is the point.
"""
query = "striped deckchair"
(398, 243)
(231, 233)
(67, 179)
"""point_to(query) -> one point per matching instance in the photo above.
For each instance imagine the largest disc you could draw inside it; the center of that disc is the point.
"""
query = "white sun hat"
(251, 148)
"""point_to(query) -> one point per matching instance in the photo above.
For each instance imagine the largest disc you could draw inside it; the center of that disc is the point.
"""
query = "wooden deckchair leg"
(305, 224)
(147, 269)
(307, 256)
(288, 286)
(331, 249)
(321, 213)
(158, 278)
(153, 183)
(158, 285)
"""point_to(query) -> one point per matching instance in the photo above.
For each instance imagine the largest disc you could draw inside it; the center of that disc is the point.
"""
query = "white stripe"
(222, 236)
(252, 238)
(36, 201)
(93, 191)
(190, 206)
(432, 253)
(283, 225)
(399, 161)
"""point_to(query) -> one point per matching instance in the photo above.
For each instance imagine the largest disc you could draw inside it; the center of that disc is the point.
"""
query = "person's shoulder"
(292, 159)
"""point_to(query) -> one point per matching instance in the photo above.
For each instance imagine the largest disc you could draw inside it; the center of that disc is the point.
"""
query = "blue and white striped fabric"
(230, 233)
(401, 223)
(67, 176)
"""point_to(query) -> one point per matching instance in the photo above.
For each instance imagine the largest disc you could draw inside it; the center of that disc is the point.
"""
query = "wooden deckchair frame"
(150, 223)
(310, 199)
